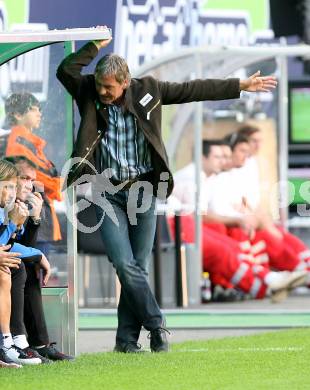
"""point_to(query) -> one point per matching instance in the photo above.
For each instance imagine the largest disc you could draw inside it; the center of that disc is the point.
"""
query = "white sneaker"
(286, 282)
(6, 362)
(17, 356)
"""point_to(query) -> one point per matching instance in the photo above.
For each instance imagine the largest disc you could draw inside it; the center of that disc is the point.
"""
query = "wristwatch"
(36, 221)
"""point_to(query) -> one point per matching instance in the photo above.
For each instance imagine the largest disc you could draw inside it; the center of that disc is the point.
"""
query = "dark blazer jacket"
(82, 88)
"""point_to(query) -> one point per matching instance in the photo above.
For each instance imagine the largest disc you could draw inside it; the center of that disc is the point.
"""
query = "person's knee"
(20, 274)
(121, 268)
(5, 281)
(127, 272)
(32, 279)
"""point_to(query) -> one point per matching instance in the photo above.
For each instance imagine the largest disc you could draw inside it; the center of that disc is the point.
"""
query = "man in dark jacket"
(120, 139)
(33, 316)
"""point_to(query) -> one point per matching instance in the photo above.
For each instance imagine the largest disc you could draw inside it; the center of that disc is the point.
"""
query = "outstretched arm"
(199, 90)
(214, 89)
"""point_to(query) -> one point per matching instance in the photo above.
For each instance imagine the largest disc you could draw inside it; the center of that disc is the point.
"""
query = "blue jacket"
(7, 229)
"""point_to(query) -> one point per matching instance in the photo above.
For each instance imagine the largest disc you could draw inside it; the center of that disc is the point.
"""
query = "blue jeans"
(129, 247)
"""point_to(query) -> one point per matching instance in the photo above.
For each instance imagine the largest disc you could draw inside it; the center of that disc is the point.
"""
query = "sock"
(20, 341)
(272, 277)
(7, 340)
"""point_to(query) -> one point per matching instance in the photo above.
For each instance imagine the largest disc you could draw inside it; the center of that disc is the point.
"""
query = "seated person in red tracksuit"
(232, 212)
(222, 256)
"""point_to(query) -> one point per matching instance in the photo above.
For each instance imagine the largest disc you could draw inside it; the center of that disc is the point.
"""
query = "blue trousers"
(128, 243)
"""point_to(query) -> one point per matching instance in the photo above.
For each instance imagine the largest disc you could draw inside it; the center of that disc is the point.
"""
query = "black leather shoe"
(130, 347)
(32, 353)
(159, 342)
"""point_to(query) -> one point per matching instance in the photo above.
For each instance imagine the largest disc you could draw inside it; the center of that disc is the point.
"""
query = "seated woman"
(7, 261)
(10, 355)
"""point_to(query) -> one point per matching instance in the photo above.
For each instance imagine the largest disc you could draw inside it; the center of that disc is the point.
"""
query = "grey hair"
(113, 65)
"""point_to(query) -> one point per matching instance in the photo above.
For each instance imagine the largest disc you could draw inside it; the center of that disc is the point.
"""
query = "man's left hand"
(36, 201)
(46, 268)
(257, 83)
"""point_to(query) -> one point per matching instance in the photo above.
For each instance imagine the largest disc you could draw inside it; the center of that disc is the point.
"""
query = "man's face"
(227, 158)
(240, 154)
(108, 88)
(8, 192)
(25, 180)
(213, 163)
(255, 142)
(31, 119)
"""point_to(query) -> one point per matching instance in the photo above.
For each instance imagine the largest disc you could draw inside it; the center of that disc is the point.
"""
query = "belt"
(148, 176)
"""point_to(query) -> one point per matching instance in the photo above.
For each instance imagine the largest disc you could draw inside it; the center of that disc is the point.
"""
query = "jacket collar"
(129, 99)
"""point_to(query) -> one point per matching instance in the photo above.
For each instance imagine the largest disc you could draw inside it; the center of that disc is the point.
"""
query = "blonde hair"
(7, 170)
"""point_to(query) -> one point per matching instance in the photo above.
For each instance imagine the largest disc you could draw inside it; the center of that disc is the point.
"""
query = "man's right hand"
(104, 42)
(249, 224)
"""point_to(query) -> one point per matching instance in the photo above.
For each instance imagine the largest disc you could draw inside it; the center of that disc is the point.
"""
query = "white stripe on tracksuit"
(257, 284)
(239, 274)
(258, 247)
(257, 268)
(262, 258)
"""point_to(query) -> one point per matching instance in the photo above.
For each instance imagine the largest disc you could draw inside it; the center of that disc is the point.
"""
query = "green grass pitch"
(277, 360)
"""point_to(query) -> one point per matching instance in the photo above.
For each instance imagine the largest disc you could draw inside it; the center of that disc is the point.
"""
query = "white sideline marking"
(241, 349)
